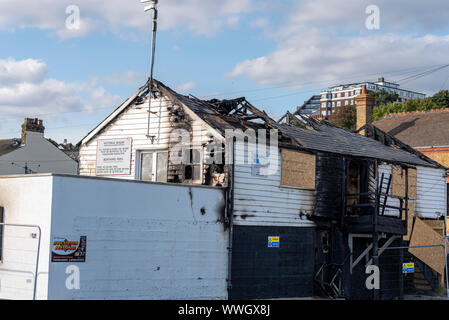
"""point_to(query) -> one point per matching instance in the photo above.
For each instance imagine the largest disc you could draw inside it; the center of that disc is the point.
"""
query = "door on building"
(153, 166)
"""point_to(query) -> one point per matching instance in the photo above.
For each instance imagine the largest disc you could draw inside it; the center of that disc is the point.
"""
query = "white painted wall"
(26, 201)
(263, 201)
(144, 240)
(432, 191)
(40, 156)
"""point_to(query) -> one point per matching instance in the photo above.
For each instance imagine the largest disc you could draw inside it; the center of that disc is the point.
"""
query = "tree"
(344, 117)
(384, 97)
(441, 98)
(409, 105)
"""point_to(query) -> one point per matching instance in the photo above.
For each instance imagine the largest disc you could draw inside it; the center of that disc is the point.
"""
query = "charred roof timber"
(305, 134)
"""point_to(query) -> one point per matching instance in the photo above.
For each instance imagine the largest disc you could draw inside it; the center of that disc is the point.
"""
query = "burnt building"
(309, 205)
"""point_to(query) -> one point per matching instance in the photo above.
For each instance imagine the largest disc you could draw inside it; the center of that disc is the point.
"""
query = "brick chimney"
(365, 105)
(31, 125)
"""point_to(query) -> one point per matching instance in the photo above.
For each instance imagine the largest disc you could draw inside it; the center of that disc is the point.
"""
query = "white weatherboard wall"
(133, 123)
(262, 201)
(144, 240)
(432, 192)
(430, 202)
(39, 155)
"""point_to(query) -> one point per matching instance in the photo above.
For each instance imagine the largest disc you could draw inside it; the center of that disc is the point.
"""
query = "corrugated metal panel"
(262, 201)
(431, 201)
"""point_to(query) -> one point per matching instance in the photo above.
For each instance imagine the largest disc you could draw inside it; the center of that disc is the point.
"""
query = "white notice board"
(114, 157)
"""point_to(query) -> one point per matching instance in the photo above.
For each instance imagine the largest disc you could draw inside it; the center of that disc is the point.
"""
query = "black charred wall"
(390, 268)
(260, 272)
(329, 182)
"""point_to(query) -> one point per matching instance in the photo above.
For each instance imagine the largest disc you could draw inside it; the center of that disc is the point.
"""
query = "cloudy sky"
(276, 53)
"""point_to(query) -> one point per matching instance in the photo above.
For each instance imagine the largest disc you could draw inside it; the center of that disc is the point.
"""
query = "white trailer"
(111, 239)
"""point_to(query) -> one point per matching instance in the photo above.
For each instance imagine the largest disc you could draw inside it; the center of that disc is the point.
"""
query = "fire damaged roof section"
(222, 114)
(375, 133)
(307, 134)
(322, 136)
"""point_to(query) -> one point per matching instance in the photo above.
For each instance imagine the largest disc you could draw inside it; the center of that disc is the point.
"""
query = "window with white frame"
(153, 166)
(193, 165)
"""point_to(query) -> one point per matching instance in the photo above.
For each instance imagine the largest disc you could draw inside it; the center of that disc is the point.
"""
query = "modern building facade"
(341, 95)
(310, 107)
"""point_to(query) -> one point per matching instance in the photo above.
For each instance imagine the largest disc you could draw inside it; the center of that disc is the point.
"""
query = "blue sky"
(277, 54)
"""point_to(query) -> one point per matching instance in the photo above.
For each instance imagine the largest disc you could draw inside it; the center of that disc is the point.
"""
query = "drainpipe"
(231, 215)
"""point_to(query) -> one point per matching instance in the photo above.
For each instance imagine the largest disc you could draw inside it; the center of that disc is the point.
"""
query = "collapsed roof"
(312, 135)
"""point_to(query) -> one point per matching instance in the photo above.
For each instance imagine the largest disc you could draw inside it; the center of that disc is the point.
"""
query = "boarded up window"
(424, 235)
(298, 169)
(398, 183)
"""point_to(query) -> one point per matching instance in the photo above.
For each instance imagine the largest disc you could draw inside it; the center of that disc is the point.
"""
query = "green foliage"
(439, 101)
(441, 98)
(384, 97)
(344, 117)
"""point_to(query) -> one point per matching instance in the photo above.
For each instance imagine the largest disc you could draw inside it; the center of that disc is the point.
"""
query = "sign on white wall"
(68, 249)
(114, 157)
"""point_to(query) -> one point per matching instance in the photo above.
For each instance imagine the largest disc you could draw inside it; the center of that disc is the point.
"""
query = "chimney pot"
(31, 125)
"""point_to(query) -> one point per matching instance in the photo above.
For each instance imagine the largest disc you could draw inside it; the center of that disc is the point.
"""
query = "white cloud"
(261, 23)
(29, 70)
(129, 78)
(185, 87)
(350, 15)
(325, 43)
(26, 91)
(199, 16)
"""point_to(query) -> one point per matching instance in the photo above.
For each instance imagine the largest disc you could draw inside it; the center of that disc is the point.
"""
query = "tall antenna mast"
(152, 6)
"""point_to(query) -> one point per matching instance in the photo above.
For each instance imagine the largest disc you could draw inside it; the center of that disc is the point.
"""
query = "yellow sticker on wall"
(273, 242)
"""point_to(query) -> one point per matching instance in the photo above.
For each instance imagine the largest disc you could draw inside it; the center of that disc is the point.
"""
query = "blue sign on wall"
(273, 242)
(408, 267)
